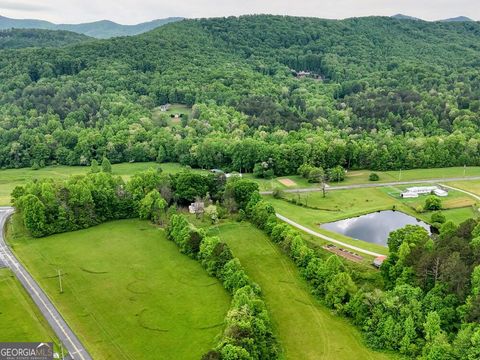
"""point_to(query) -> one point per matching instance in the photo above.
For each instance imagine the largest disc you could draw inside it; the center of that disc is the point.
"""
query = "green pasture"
(20, 320)
(305, 328)
(128, 293)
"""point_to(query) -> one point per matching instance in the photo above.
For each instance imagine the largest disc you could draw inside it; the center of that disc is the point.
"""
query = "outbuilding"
(378, 261)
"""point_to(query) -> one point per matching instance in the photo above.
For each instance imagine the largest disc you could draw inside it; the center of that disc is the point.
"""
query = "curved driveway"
(69, 340)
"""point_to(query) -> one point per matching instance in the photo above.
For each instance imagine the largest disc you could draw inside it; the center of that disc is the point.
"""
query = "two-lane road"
(69, 340)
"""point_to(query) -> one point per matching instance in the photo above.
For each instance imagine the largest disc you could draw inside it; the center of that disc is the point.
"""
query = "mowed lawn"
(128, 291)
(305, 328)
(20, 320)
(472, 186)
(343, 204)
(338, 204)
(13, 177)
(361, 177)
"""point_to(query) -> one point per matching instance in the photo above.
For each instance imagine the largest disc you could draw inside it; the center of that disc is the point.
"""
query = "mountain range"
(99, 29)
(454, 19)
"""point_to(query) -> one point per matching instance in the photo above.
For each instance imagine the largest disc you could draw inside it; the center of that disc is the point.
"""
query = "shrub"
(373, 177)
(278, 193)
(336, 174)
(304, 170)
(433, 202)
(316, 175)
(438, 217)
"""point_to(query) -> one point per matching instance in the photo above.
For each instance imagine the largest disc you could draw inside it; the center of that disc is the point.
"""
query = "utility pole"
(400, 175)
(464, 169)
(60, 281)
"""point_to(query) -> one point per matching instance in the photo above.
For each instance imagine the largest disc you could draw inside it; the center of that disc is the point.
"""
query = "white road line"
(325, 237)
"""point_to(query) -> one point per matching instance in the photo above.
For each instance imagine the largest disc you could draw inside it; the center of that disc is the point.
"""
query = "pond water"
(374, 227)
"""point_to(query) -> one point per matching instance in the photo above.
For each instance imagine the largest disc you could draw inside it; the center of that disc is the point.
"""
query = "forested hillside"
(376, 93)
(102, 29)
(22, 38)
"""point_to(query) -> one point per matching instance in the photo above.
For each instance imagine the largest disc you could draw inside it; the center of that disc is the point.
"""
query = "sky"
(136, 11)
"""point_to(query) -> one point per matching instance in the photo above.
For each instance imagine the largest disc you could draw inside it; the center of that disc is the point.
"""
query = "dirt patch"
(343, 253)
(287, 182)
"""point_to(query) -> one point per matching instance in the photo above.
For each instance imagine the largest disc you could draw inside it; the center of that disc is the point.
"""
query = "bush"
(373, 177)
(304, 170)
(336, 174)
(438, 217)
(278, 193)
(433, 202)
(316, 175)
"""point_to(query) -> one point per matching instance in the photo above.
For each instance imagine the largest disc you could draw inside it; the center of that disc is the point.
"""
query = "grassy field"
(454, 200)
(128, 292)
(173, 110)
(472, 185)
(306, 329)
(20, 320)
(361, 177)
(342, 204)
(13, 177)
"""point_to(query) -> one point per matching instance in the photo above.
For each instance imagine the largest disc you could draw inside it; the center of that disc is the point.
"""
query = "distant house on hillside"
(196, 207)
(165, 107)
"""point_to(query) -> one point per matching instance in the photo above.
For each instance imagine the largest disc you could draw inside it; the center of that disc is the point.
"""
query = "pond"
(375, 227)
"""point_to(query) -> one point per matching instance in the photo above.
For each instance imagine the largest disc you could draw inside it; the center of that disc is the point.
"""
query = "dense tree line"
(387, 94)
(430, 308)
(248, 332)
(48, 206)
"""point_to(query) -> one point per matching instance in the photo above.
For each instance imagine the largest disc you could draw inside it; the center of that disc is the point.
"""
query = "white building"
(408, 195)
(414, 192)
(440, 192)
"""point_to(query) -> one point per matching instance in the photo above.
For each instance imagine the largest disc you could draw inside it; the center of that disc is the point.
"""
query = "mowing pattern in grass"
(13, 177)
(128, 292)
(305, 328)
(20, 321)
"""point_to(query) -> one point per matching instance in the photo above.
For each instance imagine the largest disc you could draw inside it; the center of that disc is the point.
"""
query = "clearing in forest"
(128, 291)
(305, 328)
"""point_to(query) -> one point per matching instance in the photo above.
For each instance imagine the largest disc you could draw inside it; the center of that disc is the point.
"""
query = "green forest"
(24, 38)
(377, 93)
(425, 305)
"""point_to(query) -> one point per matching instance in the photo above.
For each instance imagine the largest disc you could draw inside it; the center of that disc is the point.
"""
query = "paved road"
(373, 185)
(75, 348)
(324, 237)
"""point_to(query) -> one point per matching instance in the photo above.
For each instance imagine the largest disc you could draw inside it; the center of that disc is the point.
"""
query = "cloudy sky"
(135, 11)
